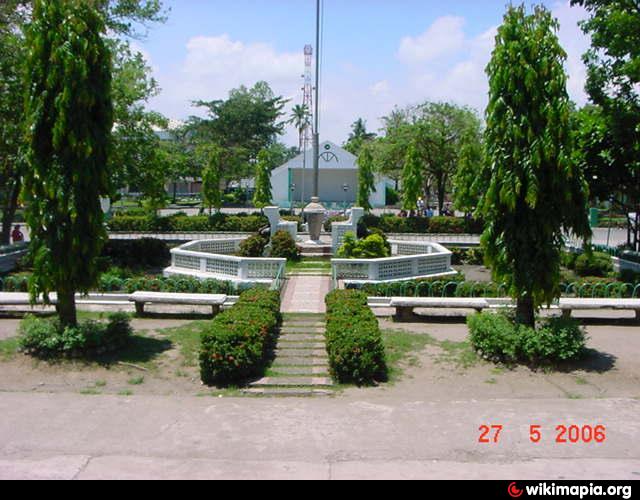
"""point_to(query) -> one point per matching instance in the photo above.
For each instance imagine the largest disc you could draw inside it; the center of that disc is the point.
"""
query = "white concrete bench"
(142, 298)
(405, 306)
(567, 306)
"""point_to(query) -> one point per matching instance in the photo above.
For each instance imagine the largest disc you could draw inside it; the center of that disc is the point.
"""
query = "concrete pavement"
(86, 437)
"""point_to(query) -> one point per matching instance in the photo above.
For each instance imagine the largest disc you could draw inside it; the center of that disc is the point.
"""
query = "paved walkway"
(305, 294)
(63, 436)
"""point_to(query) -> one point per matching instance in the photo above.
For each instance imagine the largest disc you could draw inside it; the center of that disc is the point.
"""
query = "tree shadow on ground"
(593, 361)
(139, 350)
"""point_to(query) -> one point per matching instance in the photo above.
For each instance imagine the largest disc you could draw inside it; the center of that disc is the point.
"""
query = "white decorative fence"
(412, 260)
(213, 259)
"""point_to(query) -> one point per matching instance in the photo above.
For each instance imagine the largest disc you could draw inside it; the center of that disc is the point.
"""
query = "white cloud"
(380, 89)
(443, 37)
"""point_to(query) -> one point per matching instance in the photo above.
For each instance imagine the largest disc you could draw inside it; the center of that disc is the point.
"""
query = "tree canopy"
(69, 115)
(536, 192)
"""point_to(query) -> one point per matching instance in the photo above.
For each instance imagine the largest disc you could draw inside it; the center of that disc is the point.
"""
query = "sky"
(377, 54)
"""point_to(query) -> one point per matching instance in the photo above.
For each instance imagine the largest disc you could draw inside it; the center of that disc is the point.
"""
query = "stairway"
(301, 366)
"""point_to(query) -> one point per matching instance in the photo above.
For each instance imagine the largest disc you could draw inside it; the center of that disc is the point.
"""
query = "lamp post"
(345, 188)
(315, 211)
(293, 199)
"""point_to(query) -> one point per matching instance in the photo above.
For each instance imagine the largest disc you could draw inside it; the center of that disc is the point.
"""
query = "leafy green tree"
(13, 52)
(301, 119)
(366, 178)
(471, 180)
(358, 137)
(262, 196)
(411, 179)
(249, 121)
(613, 84)
(211, 194)
(69, 115)
(536, 192)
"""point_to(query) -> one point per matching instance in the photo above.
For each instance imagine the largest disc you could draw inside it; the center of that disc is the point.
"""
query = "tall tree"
(249, 121)
(470, 181)
(358, 137)
(211, 194)
(536, 193)
(262, 196)
(69, 118)
(411, 179)
(613, 84)
(300, 119)
(366, 178)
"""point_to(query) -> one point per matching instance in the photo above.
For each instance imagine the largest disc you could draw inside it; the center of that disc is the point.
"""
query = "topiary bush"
(283, 246)
(253, 246)
(236, 345)
(374, 246)
(354, 341)
(497, 338)
(44, 338)
(595, 264)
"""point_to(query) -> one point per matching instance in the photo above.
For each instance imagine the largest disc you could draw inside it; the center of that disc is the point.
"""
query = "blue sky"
(377, 53)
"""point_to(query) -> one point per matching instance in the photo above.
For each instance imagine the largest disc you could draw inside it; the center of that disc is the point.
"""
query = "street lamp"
(293, 200)
(345, 188)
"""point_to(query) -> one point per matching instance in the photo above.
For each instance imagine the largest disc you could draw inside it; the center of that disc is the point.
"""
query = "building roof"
(331, 157)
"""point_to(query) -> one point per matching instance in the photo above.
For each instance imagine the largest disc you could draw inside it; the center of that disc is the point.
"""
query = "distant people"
(430, 212)
(421, 206)
(17, 235)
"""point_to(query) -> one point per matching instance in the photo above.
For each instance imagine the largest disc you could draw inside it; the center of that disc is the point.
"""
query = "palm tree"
(301, 119)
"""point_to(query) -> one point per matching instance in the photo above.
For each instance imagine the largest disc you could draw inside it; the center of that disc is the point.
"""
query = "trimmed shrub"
(142, 253)
(237, 343)
(283, 246)
(354, 341)
(240, 223)
(374, 246)
(43, 338)
(447, 225)
(594, 264)
(497, 338)
(253, 246)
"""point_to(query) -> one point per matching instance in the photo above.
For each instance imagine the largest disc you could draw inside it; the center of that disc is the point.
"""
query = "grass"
(401, 348)
(125, 392)
(8, 348)
(136, 381)
(90, 391)
(321, 266)
(459, 353)
(187, 338)
(100, 383)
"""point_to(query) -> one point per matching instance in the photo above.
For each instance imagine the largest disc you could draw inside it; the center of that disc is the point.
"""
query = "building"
(338, 183)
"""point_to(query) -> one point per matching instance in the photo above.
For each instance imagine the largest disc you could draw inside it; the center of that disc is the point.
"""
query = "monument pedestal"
(315, 214)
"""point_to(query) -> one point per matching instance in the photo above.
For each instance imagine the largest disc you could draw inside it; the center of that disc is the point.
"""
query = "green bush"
(237, 343)
(136, 254)
(44, 338)
(354, 341)
(594, 264)
(372, 247)
(112, 283)
(283, 246)
(253, 246)
(393, 197)
(447, 225)
(240, 223)
(497, 338)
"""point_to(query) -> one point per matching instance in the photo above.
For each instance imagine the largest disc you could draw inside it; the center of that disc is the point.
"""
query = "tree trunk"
(9, 213)
(525, 313)
(66, 308)
(442, 192)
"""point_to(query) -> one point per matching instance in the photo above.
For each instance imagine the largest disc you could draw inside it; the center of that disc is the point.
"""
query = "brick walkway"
(305, 294)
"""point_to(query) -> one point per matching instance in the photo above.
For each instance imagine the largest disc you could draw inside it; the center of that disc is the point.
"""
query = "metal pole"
(316, 135)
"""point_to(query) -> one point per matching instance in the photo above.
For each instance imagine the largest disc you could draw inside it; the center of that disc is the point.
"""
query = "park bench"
(142, 298)
(568, 305)
(405, 306)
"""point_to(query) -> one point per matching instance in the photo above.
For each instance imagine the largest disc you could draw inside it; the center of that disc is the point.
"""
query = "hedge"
(241, 223)
(435, 225)
(236, 345)
(497, 338)
(142, 253)
(109, 283)
(354, 341)
(45, 338)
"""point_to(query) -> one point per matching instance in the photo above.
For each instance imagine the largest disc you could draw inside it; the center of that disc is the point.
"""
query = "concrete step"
(287, 392)
(296, 361)
(293, 382)
(301, 337)
(301, 353)
(302, 329)
(307, 346)
(300, 371)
